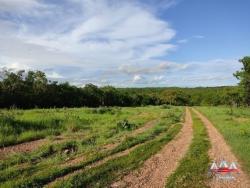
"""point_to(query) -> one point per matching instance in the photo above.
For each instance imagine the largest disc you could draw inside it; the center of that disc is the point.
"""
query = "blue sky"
(129, 43)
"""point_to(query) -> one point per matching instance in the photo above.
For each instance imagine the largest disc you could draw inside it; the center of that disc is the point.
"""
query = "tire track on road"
(221, 151)
(156, 169)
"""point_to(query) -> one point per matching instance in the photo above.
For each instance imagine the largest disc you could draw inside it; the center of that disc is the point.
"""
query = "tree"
(175, 97)
(244, 76)
(13, 88)
(93, 95)
(111, 96)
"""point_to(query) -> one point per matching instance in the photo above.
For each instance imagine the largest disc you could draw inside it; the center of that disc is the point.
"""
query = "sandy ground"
(221, 151)
(24, 147)
(156, 170)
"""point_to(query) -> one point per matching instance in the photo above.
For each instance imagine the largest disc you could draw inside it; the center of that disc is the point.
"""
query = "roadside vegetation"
(193, 168)
(106, 133)
(234, 125)
(103, 175)
(19, 126)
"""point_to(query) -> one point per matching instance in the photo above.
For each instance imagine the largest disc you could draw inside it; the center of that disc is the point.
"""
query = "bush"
(173, 116)
(104, 110)
(72, 126)
(90, 141)
(165, 106)
(69, 147)
(125, 125)
(48, 151)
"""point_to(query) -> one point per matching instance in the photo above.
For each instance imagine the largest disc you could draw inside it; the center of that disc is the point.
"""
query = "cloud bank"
(122, 43)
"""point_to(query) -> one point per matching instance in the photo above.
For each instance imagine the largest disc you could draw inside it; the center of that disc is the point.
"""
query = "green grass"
(104, 174)
(193, 168)
(45, 176)
(19, 126)
(235, 128)
(87, 131)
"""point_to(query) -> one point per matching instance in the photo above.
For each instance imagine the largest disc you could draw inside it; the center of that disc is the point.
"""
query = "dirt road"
(154, 172)
(221, 151)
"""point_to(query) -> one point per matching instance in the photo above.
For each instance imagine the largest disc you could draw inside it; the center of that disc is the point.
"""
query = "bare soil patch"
(157, 169)
(145, 127)
(20, 148)
(111, 146)
(80, 159)
(221, 151)
(123, 153)
(33, 145)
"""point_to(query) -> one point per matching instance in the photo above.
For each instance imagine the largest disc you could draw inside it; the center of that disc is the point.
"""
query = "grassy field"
(80, 137)
(93, 147)
(193, 168)
(234, 125)
(19, 126)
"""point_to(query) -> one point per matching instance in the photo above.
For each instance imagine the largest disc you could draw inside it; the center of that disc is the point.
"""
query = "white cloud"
(183, 41)
(122, 43)
(159, 67)
(137, 78)
(83, 33)
(12, 63)
(54, 75)
(186, 40)
(158, 78)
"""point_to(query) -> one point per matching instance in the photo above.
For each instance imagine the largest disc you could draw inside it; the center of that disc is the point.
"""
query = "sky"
(127, 43)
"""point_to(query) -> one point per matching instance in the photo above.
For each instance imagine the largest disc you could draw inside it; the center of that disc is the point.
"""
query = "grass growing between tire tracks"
(47, 169)
(234, 125)
(104, 174)
(44, 177)
(193, 168)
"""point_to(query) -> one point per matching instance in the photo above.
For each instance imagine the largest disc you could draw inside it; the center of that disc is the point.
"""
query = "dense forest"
(32, 89)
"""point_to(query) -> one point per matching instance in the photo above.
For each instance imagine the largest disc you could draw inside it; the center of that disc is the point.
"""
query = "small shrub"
(104, 110)
(111, 133)
(72, 127)
(48, 151)
(125, 125)
(69, 147)
(90, 141)
(244, 133)
(7, 118)
(173, 116)
(165, 106)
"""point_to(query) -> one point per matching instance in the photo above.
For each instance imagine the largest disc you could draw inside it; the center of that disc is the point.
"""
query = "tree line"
(33, 89)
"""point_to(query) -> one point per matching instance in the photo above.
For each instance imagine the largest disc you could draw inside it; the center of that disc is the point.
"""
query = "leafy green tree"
(175, 97)
(244, 76)
(111, 96)
(93, 95)
(32, 89)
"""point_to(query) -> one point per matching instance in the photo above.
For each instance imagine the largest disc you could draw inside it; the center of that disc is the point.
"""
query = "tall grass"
(13, 131)
(193, 168)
